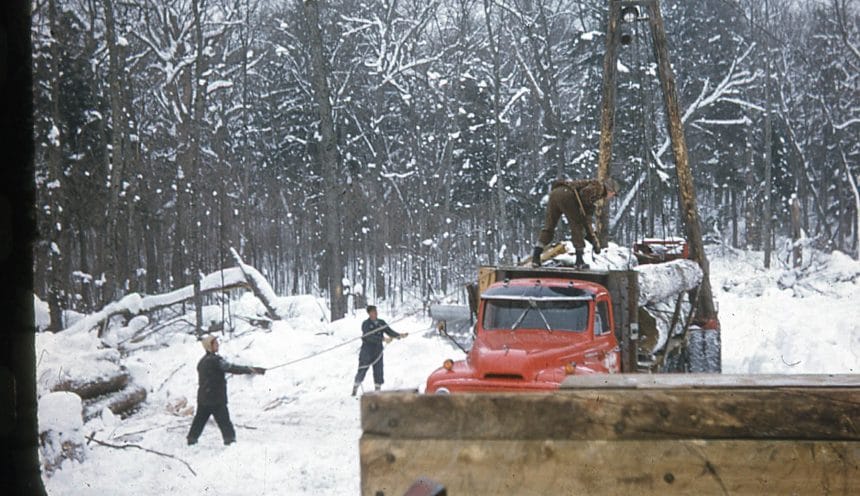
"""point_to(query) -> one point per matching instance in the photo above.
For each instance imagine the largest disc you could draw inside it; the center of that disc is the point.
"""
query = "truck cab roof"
(548, 289)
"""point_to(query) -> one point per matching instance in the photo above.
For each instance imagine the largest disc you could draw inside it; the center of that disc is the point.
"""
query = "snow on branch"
(135, 304)
(847, 123)
(259, 285)
(519, 94)
(741, 121)
(627, 200)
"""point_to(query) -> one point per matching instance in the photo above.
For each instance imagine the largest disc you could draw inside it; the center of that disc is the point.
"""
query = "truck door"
(604, 354)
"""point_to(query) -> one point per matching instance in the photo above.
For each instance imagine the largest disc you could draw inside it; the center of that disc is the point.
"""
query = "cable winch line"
(344, 343)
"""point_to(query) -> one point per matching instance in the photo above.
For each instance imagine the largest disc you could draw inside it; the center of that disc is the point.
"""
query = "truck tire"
(713, 351)
(696, 350)
(704, 350)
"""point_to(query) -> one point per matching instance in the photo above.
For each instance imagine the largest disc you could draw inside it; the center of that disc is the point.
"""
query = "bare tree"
(329, 157)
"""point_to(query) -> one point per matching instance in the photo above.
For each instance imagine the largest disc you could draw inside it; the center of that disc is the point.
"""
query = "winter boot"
(377, 387)
(355, 389)
(536, 256)
(580, 263)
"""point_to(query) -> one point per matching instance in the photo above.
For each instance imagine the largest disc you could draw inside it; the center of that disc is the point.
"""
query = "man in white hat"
(212, 391)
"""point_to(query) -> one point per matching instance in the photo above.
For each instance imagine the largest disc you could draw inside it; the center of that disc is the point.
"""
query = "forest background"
(393, 149)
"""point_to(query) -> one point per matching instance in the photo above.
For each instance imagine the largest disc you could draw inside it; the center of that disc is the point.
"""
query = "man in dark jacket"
(371, 348)
(576, 200)
(212, 391)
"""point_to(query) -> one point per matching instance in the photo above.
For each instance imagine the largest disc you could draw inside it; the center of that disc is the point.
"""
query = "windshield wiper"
(542, 317)
(520, 319)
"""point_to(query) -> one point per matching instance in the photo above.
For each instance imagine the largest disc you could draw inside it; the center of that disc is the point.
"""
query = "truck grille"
(504, 377)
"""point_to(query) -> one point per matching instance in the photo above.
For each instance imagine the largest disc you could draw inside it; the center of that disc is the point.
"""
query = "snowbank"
(42, 313)
(60, 430)
(67, 360)
(785, 320)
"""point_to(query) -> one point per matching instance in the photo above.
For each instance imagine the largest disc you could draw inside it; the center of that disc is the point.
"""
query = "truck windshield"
(562, 315)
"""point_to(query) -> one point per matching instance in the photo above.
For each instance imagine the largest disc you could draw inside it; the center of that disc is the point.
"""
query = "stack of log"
(115, 392)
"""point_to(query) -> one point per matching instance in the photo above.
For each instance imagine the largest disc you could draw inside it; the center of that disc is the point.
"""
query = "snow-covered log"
(450, 312)
(135, 304)
(76, 363)
(119, 402)
(60, 430)
(91, 388)
(663, 281)
(259, 285)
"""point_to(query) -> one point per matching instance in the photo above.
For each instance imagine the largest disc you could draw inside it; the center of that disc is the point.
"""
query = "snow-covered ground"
(298, 428)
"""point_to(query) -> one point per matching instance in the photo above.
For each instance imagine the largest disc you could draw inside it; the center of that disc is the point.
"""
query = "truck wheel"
(704, 350)
(696, 350)
(713, 351)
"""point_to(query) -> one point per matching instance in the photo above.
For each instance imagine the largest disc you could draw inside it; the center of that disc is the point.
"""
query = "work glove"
(258, 370)
(402, 335)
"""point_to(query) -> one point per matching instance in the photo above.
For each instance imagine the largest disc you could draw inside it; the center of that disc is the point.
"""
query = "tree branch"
(92, 437)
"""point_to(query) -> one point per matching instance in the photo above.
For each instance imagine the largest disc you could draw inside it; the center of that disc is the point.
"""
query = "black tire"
(713, 351)
(696, 356)
(704, 351)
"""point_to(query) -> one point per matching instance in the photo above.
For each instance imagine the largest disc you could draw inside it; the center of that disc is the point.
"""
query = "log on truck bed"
(622, 434)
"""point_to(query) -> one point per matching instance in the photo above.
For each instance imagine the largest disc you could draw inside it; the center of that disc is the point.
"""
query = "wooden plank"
(665, 381)
(486, 277)
(759, 413)
(541, 467)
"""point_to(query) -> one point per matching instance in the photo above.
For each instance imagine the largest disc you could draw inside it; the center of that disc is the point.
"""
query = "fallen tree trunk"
(259, 285)
(93, 388)
(135, 304)
(120, 402)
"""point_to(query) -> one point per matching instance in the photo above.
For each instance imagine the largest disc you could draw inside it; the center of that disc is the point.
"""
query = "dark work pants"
(370, 355)
(562, 200)
(222, 418)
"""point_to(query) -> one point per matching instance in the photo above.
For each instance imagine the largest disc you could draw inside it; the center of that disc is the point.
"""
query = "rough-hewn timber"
(623, 434)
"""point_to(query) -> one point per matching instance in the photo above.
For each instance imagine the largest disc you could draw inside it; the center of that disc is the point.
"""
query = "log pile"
(114, 391)
(120, 402)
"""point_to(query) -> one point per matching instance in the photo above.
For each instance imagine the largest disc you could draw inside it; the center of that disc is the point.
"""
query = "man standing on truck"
(576, 199)
(371, 348)
(212, 391)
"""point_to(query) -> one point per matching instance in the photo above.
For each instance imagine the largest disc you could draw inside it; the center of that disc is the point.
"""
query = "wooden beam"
(540, 467)
(674, 381)
(686, 190)
(607, 110)
(624, 414)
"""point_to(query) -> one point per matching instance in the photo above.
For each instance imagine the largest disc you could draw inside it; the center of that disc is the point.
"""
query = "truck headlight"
(448, 364)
